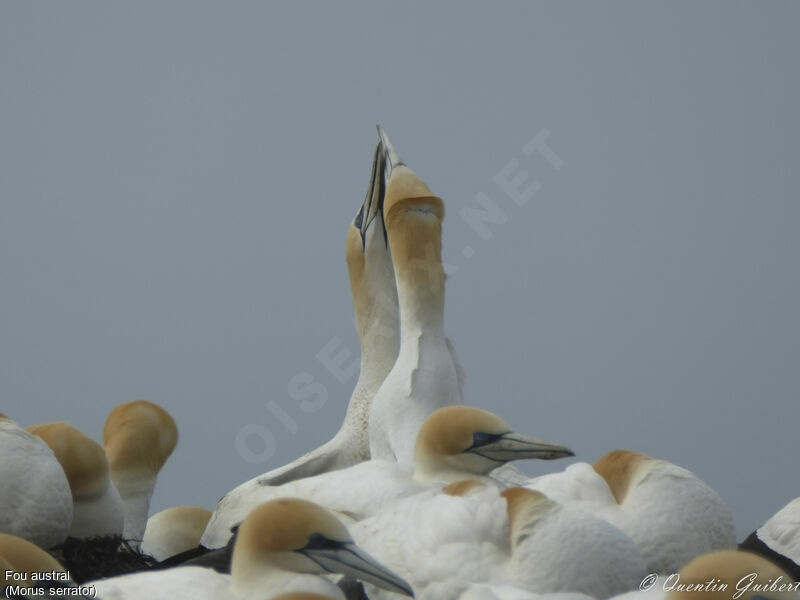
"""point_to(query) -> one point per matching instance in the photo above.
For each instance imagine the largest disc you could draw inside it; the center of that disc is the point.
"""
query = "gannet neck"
(138, 438)
(414, 226)
(98, 508)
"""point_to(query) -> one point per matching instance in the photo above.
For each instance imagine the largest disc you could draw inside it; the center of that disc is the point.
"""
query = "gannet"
(375, 302)
(35, 498)
(138, 438)
(174, 530)
(742, 572)
(424, 376)
(23, 564)
(455, 442)
(443, 544)
(282, 546)
(97, 506)
(779, 539)
(668, 511)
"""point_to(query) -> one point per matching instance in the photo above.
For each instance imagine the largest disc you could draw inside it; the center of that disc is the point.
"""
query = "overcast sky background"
(177, 179)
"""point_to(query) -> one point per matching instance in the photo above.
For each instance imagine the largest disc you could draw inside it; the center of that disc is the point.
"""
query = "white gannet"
(667, 510)
(779, 539)
(284, 545)
(35, 498)
(174, 530)
(454, 443)
(97, 506)
(445, 544)
(23, 564)
(138, 438)
(375, 302)
(424, 376)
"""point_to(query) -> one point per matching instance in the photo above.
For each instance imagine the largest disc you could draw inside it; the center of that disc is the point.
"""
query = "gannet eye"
(481, 438)
(317, 541)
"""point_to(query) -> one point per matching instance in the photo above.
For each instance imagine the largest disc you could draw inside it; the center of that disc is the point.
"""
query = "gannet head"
(83, 460)
(299, 536)
(138, 438)
(18, 555)
(622, 469)
(174, 530)
(456, 440)
(742, 572)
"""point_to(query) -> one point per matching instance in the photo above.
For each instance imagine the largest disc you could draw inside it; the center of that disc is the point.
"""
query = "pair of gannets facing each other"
(721, 575)
(455, 442)
(35, 497)
(111, 487)
(667, 510)
(476, 535)
(779, 539)
(284, 545)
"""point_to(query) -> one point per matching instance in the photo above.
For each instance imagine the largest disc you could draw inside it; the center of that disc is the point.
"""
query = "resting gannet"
(455, 442)
(779, 539)
(425, 376)
(23, 564)
(741, 572)
(668, 511)
(97, 506)
(35, 498)
(375, 301)
(517, 537)
(283, 546)
(138, 438)
(174, 530)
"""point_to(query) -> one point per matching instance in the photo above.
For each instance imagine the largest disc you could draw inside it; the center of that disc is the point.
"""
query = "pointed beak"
(513, 446)
(351, 560)
(391, 158)
(372, 207)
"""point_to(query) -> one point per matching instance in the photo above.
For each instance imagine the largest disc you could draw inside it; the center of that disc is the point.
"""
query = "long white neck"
(136, 493)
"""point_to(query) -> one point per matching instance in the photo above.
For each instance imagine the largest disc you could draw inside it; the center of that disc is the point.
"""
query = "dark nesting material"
(100, 557)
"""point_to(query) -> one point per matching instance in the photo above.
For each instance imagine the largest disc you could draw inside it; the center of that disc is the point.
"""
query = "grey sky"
(177, 179)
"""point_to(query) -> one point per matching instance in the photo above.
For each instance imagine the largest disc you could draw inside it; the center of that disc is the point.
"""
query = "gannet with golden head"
(369, 265)
(284, 545)
(23, 564)
(35, 497)
(174, 530)
(97, 506)
(779, 539)
(455, 442)
(424, 376)
(445, 544)
(667, 510)
(138, 438)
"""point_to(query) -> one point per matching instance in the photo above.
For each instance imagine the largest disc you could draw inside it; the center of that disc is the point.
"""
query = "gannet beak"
(373, 202)
(390, 157)
(349, 559)
(504, 447)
